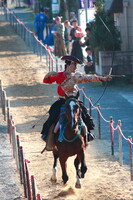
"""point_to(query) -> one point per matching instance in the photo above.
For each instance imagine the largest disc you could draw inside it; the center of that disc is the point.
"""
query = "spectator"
(49, 40)
(40, 23)
(59, 46)
(72, 17)
(76, 35)
(67, 36)
(87, 37)
(89, 68)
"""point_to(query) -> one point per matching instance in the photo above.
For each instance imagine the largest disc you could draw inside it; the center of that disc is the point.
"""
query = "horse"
(70, 142)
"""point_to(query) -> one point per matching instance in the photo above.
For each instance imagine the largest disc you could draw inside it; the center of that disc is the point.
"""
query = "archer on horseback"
(68, 80)
(58, 77)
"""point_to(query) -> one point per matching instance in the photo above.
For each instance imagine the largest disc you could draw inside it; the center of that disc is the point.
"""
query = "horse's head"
(73, 111)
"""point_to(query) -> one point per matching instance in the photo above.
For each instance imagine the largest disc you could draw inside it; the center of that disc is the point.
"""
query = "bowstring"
(111, 67)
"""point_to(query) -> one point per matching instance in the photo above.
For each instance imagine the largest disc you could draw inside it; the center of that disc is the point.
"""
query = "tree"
(104, 34)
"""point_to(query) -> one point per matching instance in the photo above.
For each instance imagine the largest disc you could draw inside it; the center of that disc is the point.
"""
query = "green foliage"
(104, 34)
(46, 3)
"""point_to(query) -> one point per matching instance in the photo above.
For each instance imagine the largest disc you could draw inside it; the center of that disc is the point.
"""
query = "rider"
(58, 77)
(67, 81)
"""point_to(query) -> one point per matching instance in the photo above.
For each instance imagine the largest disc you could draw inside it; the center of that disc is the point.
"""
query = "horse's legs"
(54, 170)
(80, 173)
(63, 164)
(83, 164)
(78, 176)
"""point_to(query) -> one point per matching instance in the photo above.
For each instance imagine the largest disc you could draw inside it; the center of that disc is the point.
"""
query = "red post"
(38, 197)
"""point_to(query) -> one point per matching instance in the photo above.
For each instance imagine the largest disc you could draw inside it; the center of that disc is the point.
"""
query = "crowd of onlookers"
(66, 37)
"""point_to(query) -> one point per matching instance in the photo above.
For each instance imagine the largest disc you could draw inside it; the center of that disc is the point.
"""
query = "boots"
(90, 136)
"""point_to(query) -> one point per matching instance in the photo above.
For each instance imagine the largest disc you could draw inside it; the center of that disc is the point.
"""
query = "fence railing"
(45, 54)
(30, 38)
(27, 180)
(112, 132)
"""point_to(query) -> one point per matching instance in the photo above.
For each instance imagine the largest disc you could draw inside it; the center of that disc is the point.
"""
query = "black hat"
(71, 58)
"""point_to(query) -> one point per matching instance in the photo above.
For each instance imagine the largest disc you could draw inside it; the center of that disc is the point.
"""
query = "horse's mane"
(65, 116)
(71, 99)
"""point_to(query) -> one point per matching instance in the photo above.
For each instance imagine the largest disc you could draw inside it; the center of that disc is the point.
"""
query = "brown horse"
(70, 142)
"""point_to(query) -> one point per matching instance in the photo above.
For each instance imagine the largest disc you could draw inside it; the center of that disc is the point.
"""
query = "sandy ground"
(22, 74)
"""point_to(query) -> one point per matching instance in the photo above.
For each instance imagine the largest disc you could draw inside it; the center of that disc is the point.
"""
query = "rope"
(21, 22)
(108, 121)
(120, 131)
(52, 57)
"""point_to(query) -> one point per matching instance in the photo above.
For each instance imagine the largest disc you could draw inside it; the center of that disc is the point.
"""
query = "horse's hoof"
(77, 185)
(64, 184)
(53, 181)
(82, 175)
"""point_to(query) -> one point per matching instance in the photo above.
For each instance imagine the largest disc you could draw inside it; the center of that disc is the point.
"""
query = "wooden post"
(14, 144)
(19, 159)
(23, 170)
(38, 197)
(4, 104)
(120, 143)
(52, 63)
(8, 116)
(49, 59)
(29, 195)
(99, 123)
(40, 52)
(130, 157)
(90, 111)
(0, 88)
(112, 136)
(56, 65)
(33, 187)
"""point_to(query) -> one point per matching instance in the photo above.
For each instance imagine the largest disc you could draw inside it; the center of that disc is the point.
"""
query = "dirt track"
(22, 74)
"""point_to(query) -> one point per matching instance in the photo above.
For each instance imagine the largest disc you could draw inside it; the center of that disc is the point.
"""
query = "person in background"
(40, 22)
(72, 17)
(67, 36)
(59, 46)
(49, 40)
(89, 68)
(76, 35)
(87, 37)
